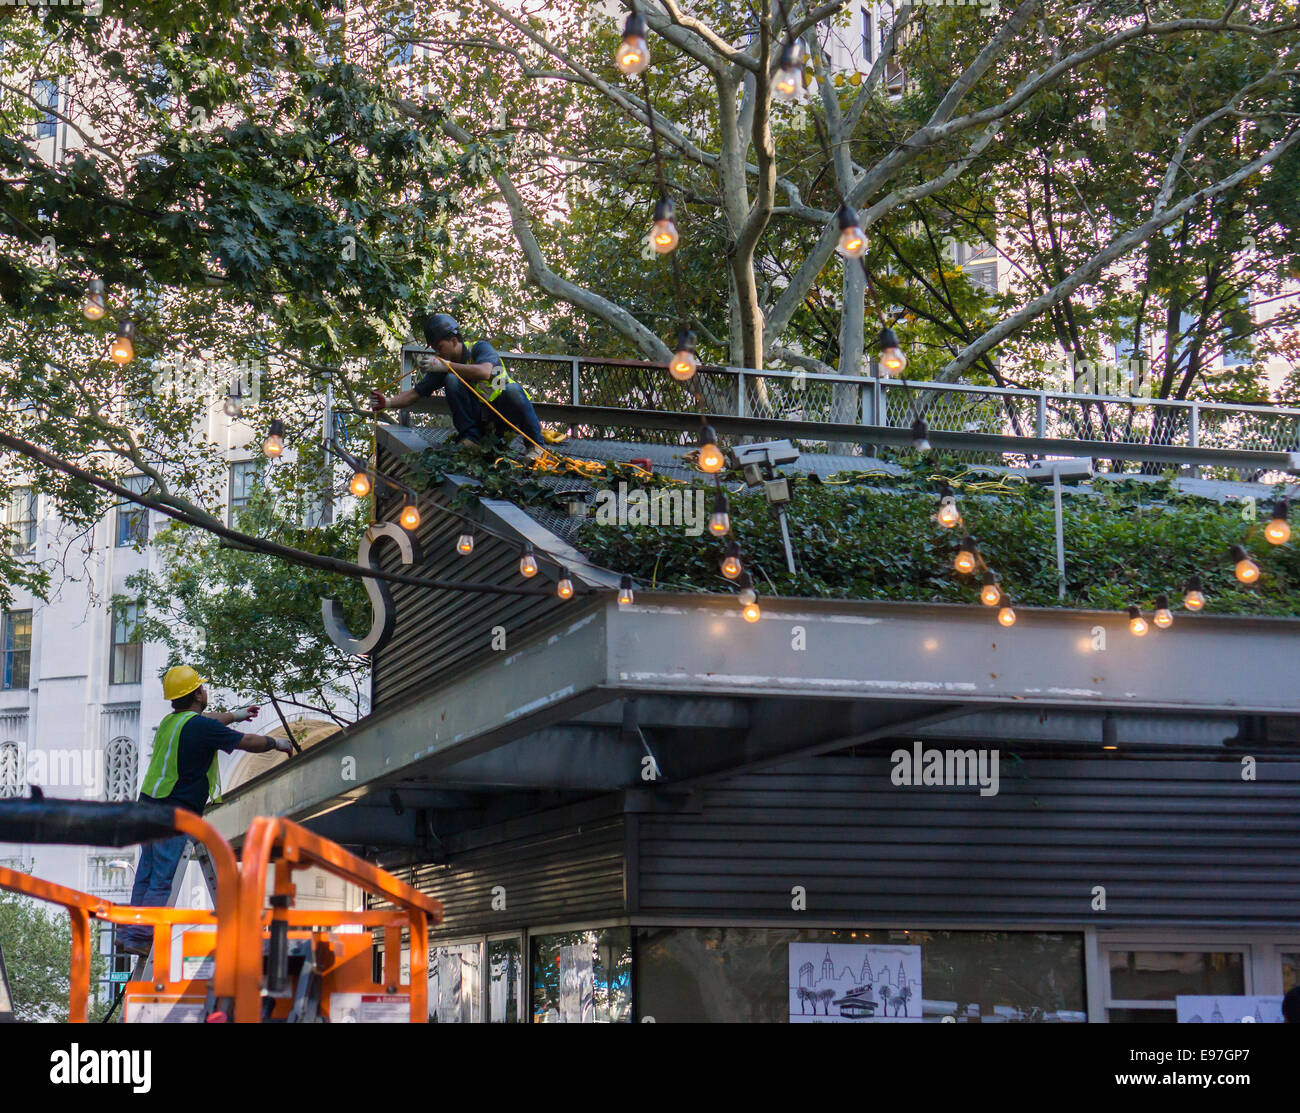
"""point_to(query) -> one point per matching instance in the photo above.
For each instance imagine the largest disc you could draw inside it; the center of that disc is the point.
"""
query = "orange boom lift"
(253, 960)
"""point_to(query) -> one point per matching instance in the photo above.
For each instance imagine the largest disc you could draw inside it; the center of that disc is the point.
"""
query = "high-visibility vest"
(490, 388)
(164, 767)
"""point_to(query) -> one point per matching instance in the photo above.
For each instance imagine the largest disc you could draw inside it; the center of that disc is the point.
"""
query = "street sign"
(119, 975)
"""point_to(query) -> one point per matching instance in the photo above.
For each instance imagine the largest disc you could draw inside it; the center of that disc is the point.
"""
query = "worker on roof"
(183, 773)
(479, 389)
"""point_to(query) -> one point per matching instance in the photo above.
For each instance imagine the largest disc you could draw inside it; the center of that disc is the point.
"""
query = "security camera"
(771, 453)
(1047, 471)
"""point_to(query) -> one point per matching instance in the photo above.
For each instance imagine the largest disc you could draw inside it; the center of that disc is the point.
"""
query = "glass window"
(243, 480)
(1159, 977)
(132, 518)
(505, 980)
(454, 983)
(868, 39)
(743, 974)
(16, 650)
(46, 94)
(124, 665)
(1290, 970)
(20, 517)
(583, 977)
(11, 775)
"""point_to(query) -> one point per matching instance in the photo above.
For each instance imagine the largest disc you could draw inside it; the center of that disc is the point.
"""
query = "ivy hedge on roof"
(872, 535)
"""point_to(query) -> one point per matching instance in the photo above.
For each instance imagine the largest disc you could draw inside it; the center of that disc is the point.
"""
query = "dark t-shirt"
(482, 352)
(200, 740)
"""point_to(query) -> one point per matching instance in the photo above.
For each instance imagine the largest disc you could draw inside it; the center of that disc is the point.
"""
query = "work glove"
(378, 401)
(283, 745)
(243, 714)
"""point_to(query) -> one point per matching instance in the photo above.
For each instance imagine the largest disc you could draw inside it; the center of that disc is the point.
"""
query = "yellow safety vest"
(490, 388)
(164, 767)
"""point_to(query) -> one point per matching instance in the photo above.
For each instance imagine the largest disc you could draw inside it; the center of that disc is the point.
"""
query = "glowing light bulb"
(786, 85)
(1193, 598)
(93, 306)
(625, 592)
(990, 593)
(964, 561)
(564, 589)
(663, 232)
(122, 350)
(853, 240)
(731, 563)
(751, 612)
(949, 516)
(1278, 531)
(1007, 616)
(892, 358)
(273, 446)
(684, 361)
(633, 54)
(410, 516)
(528, 564)
(1136, 622)
(711, 459)
(720, 520)
(1163, 617)
(1246, 569)
(360, 485)
(465, 544)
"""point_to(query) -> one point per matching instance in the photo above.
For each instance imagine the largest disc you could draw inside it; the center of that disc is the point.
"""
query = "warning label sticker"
(145, 1009)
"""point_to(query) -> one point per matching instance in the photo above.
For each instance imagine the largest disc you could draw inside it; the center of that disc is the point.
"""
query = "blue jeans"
(472, 418)
(153, 883)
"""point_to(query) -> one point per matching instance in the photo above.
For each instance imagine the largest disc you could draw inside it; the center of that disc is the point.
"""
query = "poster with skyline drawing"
(852, 982)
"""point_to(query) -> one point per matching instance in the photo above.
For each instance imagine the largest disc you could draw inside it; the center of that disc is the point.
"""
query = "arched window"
(11, 770)
(120, 769)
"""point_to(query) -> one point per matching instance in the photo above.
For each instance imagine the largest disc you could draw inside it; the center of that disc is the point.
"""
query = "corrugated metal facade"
(1182, 841)
(437, 631)
(560, 867)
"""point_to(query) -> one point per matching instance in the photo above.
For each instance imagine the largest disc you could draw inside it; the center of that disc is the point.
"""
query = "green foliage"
(37, 943)
(874, 536)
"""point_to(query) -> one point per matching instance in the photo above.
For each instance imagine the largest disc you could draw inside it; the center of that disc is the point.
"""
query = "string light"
(920, 436)
(410, 516)
(786, 87)
(93, 307)
(360, 485)
(965, 561)
(948, 515)
(711, 459)
(633, 54)
(663, 232)
(1193, 598)
(892, 357)
(273, 446)
(1136, 623)
(751, 612)
(465, 544)
(684, 361)
(233, 407)
(1278, 531)
(720, 520)
(1247, 570)
(731, 563)
(564, 589)
(990, 593)
(853, 240)
(122, 350)
(528, 564)
(1006, 615)
(1163, 617)
(625, 591)
(747, 594)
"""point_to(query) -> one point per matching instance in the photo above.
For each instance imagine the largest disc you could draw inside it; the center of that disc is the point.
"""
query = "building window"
(1144, 984)
(20, 517)
(46, 94)
(583, 977)
(399, 43)
(16, 650)
(11, 770)
(243, 480)
(455, 979)
(505, 980)
(868, 38)
(120, 769)
(124, 665)
(132, 518)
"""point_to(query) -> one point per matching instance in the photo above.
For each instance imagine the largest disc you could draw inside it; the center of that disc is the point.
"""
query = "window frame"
(9, 653)
(251, 466)
(46, 93)
(22, 530)
(127, 658)
(132, 518)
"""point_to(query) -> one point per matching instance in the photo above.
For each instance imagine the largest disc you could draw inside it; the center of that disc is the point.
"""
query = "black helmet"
(439, 326)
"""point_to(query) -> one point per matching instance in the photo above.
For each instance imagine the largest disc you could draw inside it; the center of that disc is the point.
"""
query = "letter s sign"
(381, 625)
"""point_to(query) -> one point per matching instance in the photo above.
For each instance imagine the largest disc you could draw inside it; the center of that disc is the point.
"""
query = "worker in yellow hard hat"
(183, 772)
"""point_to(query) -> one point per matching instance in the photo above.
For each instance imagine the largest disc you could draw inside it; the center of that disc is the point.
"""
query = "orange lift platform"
(252, 958)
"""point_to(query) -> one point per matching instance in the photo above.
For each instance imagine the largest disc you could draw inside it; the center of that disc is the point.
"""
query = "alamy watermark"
(1126, 378)
(919, 766)
(238, 382)
(668, 506)
(85, 7)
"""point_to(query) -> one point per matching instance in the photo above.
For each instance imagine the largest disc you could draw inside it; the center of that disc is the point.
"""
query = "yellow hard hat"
(181, 681)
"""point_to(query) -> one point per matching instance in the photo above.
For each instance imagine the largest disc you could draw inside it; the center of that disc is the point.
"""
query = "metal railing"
(853, 414)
